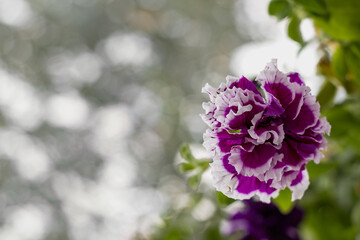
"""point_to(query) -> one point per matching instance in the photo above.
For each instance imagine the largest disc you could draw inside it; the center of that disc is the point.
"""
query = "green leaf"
(302, 47)
(355, 47)
(294, 30)
(316, 170)
(355, 214)
(224, 200)
(279, 8)
(213, 233)
(185, 153)
(186, 167)
(353, 62)
(194, 181)
(314, 7)
(339, 63)
(283, 201)
(341, 21)
(324, 68)
(326, 94)
(325, 220)
(345, 124)
(203, 164)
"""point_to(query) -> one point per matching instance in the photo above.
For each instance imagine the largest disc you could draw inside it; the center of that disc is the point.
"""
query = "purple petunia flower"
(257, 220)
(261, 144)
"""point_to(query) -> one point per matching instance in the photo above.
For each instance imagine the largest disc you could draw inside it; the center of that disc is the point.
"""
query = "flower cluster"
(257, 220)
(261, 144)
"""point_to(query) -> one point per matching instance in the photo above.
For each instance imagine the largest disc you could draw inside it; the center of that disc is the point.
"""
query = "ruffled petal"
(295, 77)
(293, 110)
(250, 186)
(276, 84)
(228, 140)
(264, 130)
(223, 180)
(242, 83)
(274, 107)
(240, 120)
(255, 162)
(291, 158)
(307, 117)
(299, 185)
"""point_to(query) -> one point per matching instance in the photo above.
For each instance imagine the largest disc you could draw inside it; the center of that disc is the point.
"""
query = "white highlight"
(110, 127)
(81, 68)
(129, 49)
(203, 210)
(15, 12)
(113, 122)
(307, 29)
(29, 158)
(251, 58)
(19, 101)
(67, 110)
(27, 222)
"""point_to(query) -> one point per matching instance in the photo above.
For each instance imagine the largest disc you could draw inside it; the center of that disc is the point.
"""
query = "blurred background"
(96, 96)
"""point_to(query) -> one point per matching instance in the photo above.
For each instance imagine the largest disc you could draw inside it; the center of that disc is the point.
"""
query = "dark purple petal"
(274, 107)
(230, 168)
(295, 77)
(298, 179)
(228, 140)
(264, 221)
(245, 120)
(248, 185)
(291, 156)
(293, 110)
(259, 156)
(307, 117)
(281, 91)
(244, 83)
(239, 122)
(308, 146)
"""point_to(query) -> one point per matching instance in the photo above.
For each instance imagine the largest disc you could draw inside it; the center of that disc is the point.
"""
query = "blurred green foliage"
(182, 225)
(283, 201)
(192, 166)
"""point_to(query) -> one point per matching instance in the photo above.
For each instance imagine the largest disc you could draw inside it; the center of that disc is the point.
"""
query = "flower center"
(267, 121)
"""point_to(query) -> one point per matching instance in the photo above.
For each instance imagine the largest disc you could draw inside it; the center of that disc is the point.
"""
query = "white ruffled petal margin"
(299, 189)
(210, 141)
(272, 74)
(227, 183)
